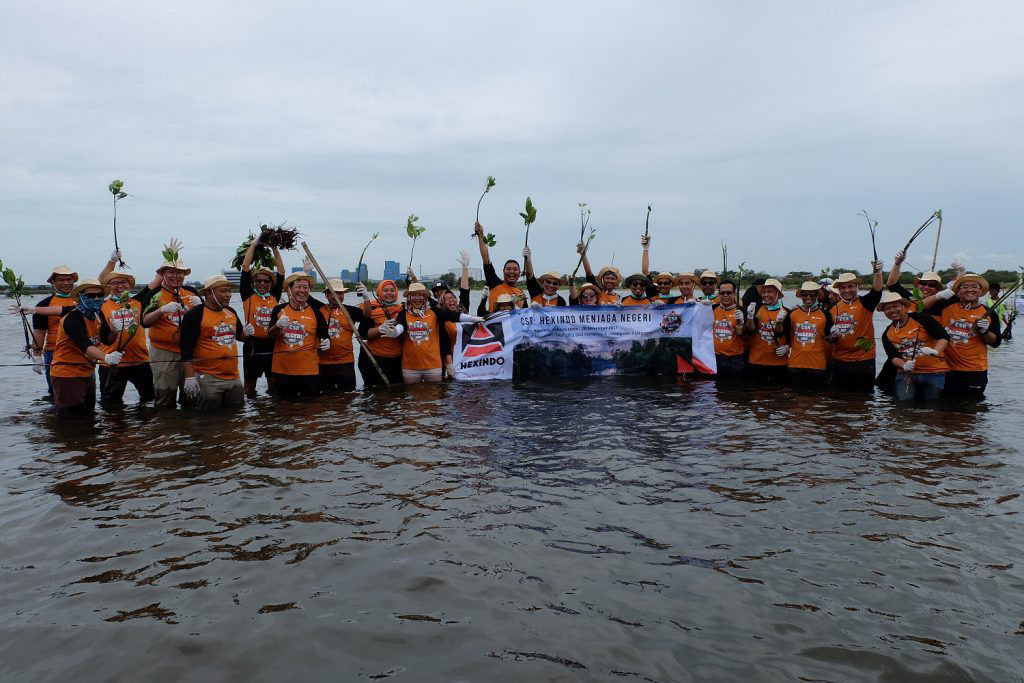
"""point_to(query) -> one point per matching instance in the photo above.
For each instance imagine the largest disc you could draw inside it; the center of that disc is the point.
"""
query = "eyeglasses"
(726, 292)
(93, 295)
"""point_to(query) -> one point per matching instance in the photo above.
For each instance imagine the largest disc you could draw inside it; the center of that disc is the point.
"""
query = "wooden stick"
(938, 234)
(344, 312)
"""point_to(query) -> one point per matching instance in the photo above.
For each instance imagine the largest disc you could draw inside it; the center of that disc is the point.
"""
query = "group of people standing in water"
(936, 343)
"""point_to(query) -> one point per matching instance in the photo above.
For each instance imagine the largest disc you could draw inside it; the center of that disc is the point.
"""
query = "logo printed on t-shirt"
(960, 331)
(294, 333)
(261, 316)
(806, 332)
(767, 330)
(722, 330)
(223, 333)
(844, 324)
(333, 328)
(419, 331)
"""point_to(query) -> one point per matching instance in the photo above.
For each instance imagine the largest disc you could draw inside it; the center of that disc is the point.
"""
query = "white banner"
(484, 350)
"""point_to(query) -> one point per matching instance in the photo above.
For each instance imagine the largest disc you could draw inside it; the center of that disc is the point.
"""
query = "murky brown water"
(618, 529)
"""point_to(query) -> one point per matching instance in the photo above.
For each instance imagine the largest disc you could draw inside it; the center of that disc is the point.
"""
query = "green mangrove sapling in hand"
(414, 231)
(529, 215)
(116, 189)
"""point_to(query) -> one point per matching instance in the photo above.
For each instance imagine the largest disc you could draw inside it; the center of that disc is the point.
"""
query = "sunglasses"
(708, 282)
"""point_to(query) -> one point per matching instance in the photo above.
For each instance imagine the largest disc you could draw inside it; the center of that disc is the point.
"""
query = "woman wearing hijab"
(379, 331)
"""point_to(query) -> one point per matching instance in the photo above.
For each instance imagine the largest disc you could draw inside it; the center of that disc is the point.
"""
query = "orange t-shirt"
(966, 351)
(452, 329)
(912, 335)
(135, 349)
(557, 301)
(68, 358)
(518, 298)
(852, 322)
(630, 301)
(383, 346)
(296, 349)
(258, 309)
(421, 346)
(606, 298)
(807, 345)
(762, 341)
(163, 334)
(728, 341)
(53, 321)
(216, 352)
(340, 333)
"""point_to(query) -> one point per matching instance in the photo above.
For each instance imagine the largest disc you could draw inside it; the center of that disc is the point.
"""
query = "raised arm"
(876, 278)
(645, 261)
(251, 251)
(485, 254)
(581, 249)
(894, 274)
(527, 263)
(278, 261)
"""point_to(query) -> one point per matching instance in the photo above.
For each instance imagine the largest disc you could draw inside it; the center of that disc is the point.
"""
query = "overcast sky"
(768, 125)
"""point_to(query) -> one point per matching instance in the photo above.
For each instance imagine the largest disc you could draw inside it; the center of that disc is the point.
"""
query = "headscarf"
(380, 293)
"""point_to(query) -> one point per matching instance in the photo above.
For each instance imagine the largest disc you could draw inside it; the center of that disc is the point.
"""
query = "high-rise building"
(392, 270)
(231, 275)
(350, 276)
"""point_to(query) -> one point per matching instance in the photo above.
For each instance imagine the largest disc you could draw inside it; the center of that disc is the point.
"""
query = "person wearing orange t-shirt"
(123, 313)
(588, 295)
(45, 327)
(503, 285)
(378, 329)
(260, 291)
(853, 331)
(807, 328)
(337, 362)
(209, 349)
(686, 283)
(544, 290)
(767, 361)
(915, 344)
(972, 329)
(299, 331)
(77, 349)
(637, 284)
(162, 310)
(727, 330)
(425, 342)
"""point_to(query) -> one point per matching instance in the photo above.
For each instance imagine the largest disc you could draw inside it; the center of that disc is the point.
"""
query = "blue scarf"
(89, 307)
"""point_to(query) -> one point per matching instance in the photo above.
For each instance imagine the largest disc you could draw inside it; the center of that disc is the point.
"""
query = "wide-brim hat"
(771, 282)
(970, 277)
(117, 274)
(708, 274)
(809, 286)
(550, 275)
(683, 277)
(609, 269)
(662, 276)
(635, 277)
(417, 288)
(212, 282)
(928, 276)
(177, 265)
(62, 270)
(846, 277)
(504, 299)
(87, 283)
(893, 297)
(588, 285)
(298, 276)
(337, 285)
(263, 269)
(832, 289)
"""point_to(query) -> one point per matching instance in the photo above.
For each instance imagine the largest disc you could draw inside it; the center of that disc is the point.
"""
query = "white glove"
(945, 294)
(464, 259)
(325, 344)
(191, 387)
(982, 324)
(657, 302)
(927, 351)
(194, 301)
(704, 302)
(958, 266)
(173, 307)
(115, 256)
(486, 291)
(467, 318)
(387, 329)
(782, 350)
(580, 246)
(908, 366)
(876, 266)
(248, 330)
(645, 241)
(113, 358)
(283, 321)
(37, 365)
(900, 257)
(361, 291)
(174, 245)
(450, 369)
(307, 265)
(526, 252)
(117, 324)
(750, 310)
(738, 314)
(535, 304)
(27, 310)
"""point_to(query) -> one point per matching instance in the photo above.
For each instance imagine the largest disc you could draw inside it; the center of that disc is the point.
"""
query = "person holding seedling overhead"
(543, 291)
(299, 331)
(77, 349)
(915, 343)
(505, 284)
(260, 292)
(45, 327)
(971, 328)
(767, 362)
(853, 331)
(381, 335)
(162, 309)
(807, 328)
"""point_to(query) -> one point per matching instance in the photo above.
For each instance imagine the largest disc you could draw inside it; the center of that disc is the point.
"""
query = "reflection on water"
(606, 529)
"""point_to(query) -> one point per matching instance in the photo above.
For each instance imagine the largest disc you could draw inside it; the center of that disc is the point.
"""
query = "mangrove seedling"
(922, 228)
(529, 215)
(584, 218)
(938, 235)
(270, 236)
(872, 226)
(414, 231)
(116, 189)
(647, 221)
(487, 188)
(15, 290)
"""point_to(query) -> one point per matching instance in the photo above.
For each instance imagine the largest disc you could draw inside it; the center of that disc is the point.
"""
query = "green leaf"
(490, 183)
(489, 239)
(864, 344)
(169, 255)
(413, 230)
(115, 186)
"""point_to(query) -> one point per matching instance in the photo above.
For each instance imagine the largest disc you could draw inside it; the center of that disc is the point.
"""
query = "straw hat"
(662, 276)
(211, 282)
(588, 285)
(177, 265)
(298, 276)
(264, 269)
(337, 285)
(502, 298)
(771, 282)
(809, 286)
(550, 275)
(928, 276)
(832, 288)
(710, 275)
(970, 277)
(609, 269)
(420, 288)
(87, 283)
(635, 277)
(846, 277)
(893, 297)
(62, 270)
(683, 277)
(115, 274)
